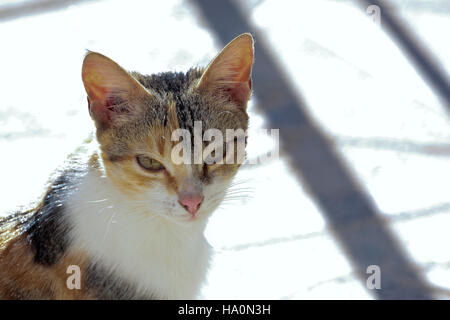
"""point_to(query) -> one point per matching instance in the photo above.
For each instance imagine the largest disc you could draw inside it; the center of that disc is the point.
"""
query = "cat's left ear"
(229, 74)
(114, 96)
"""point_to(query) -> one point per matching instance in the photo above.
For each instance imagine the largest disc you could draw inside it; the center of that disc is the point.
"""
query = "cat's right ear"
(112, 92)
(230, 73)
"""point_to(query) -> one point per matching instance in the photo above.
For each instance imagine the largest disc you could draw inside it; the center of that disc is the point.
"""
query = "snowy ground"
(388, 126)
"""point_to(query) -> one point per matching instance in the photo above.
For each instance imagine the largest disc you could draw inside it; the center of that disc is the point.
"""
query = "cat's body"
(85, 221)
(123, 214)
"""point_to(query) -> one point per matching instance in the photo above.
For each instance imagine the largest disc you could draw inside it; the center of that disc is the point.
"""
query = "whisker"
(109, 224)
(241, 181)
(97, 201)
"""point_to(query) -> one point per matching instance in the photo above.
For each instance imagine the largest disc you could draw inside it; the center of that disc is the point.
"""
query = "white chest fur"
(159, 257)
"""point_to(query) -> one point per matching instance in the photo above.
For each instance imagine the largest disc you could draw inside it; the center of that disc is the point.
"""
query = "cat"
(120, 220)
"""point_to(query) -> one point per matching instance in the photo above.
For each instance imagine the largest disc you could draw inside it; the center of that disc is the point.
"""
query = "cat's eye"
(149, 163)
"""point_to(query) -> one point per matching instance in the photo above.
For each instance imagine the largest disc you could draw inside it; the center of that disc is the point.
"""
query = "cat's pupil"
(149, 163)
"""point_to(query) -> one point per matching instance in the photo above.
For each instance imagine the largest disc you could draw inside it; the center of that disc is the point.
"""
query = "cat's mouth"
(194, 217)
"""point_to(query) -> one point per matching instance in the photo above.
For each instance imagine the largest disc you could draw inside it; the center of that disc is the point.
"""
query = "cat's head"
(136, 116)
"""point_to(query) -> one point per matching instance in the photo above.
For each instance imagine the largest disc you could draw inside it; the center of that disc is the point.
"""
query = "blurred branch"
(396, 145)
(426, 64)
(25, 8)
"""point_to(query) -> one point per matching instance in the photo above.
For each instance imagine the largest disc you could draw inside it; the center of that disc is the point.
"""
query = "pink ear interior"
(240, 92)
(103, 110)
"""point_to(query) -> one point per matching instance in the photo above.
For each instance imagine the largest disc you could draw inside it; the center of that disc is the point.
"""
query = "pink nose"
(191, 202)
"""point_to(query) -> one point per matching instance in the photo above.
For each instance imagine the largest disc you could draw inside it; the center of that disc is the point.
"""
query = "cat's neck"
(161, 257)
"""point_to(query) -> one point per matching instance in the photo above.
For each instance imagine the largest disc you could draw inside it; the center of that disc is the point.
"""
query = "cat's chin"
(185, 220)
